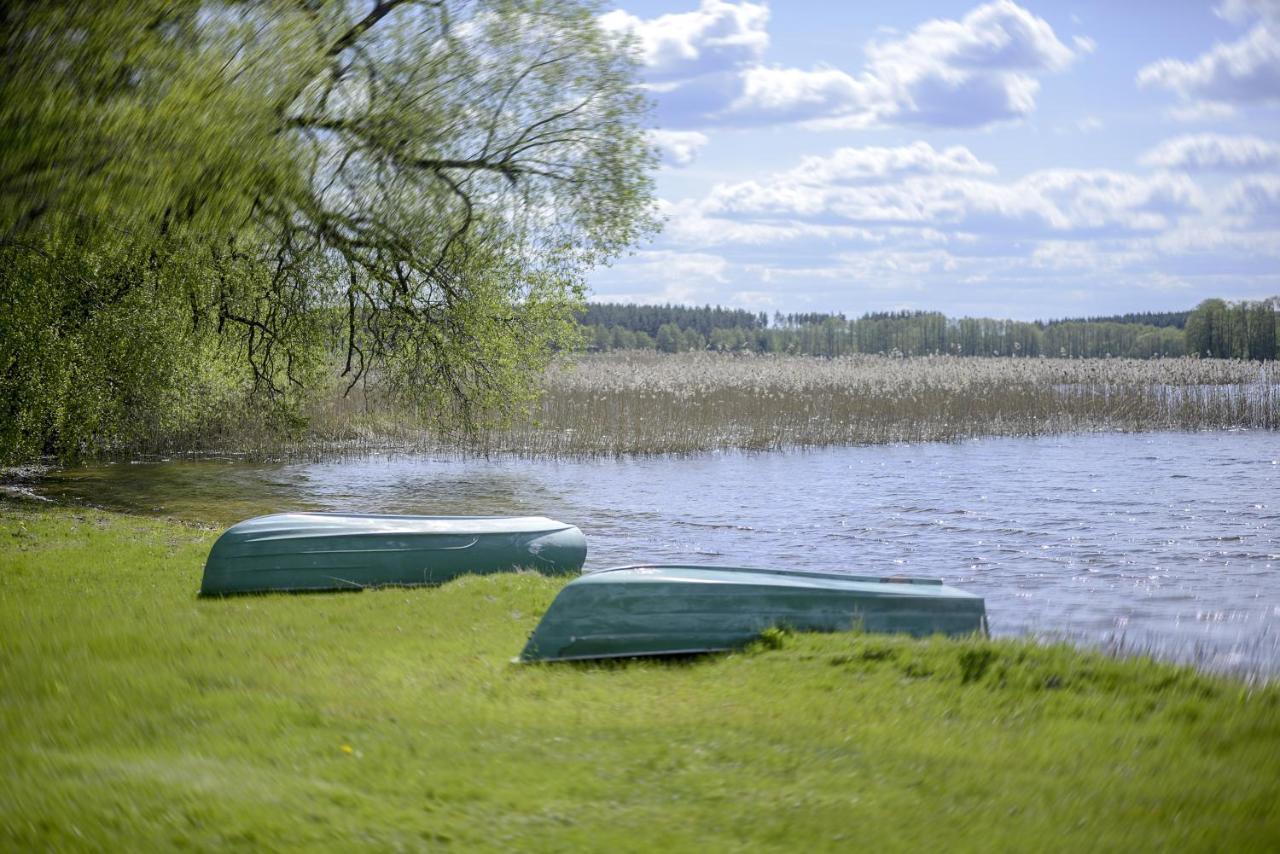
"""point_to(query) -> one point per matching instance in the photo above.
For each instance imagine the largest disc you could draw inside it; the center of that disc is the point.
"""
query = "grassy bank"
(642, 402)
(137, 716)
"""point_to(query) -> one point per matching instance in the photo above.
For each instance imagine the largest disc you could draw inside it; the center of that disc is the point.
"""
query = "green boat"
(670, 610)
(331, 551)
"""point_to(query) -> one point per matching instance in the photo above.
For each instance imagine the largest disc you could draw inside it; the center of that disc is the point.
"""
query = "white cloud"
(1245, 71)
(918, 187)
(875, 226)
(690, 224)
(760, 95)
(1241, 11)
(1257, 199)
(999, 274)
(1208, 152)
(663, 265)
(771, 95)
(665, 276)
(1079, 256)
(705, 68)
(875, 164)
(754, 300)
(1109, 202)
(888, 265)
(716, 37)
(678, 147)
(970, 72)
(1217, 237)
(997, 36)
(1201, 111)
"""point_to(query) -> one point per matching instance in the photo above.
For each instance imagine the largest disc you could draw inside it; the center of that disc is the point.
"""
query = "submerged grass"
(641, 402)
(136, 716)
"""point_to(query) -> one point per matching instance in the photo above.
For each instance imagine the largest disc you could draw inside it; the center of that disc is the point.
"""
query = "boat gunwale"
(799, 573)
(342, 514)
(287, 528)
(703, 650)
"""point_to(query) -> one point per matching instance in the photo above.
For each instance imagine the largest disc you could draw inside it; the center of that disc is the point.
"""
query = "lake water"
(1168, 543)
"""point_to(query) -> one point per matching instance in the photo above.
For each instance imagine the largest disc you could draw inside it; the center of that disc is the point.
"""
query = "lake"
(1167, 543)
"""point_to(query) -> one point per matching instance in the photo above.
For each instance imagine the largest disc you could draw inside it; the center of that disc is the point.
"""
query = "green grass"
(136, 716)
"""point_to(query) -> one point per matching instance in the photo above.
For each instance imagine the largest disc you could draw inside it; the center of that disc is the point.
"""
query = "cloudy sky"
(1024, 159)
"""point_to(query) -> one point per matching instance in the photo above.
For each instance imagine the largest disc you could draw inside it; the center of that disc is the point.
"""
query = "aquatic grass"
(676, 404)
(652, 403)
(636, 402)
(138, 717)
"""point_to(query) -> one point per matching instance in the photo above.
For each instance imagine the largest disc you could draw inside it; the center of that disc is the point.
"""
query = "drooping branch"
(430, 176)
(379, 11)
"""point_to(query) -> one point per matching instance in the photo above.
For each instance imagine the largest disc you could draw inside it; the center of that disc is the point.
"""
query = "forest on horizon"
(1216, 328)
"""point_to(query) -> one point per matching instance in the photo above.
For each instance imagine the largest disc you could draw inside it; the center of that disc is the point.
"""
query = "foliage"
(137, 717)
(673, 339)
(413, 191)
(915, 333)
(1160, 319)
(647, 318)
(1245, 330)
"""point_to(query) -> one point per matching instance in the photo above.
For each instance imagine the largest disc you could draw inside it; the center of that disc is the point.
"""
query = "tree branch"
(379, 11)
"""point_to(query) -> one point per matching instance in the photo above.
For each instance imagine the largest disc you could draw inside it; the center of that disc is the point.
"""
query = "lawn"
(137, 716)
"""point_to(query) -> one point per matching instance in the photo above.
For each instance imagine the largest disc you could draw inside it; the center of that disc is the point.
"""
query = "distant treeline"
(1176, 319)
(650, 318)
(1215, 328)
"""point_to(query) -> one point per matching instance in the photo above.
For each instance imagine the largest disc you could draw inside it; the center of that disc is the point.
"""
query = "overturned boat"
(332, 551)
(669, 610)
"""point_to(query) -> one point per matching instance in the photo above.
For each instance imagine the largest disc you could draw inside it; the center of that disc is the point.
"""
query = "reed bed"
(699, 401)
(633, 402)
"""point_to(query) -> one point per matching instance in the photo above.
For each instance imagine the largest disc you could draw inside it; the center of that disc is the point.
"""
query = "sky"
(1025, 159)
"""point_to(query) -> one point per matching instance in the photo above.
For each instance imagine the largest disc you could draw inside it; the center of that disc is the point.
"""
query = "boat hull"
(327, 551)
(669, 610)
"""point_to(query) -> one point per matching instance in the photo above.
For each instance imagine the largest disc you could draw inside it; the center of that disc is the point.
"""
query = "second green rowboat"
(669, 610)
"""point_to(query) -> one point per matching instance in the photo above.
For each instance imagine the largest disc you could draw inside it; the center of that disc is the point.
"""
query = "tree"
(1242, 330)
(1260, 329)
(1156, 342)
(414, 190)
(669, 338)
(1206, 329)
(692, 340)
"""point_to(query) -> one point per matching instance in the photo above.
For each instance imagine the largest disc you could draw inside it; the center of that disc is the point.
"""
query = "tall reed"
(643, 402)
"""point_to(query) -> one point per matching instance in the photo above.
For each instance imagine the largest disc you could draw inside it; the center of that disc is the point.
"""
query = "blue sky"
(1010, 159)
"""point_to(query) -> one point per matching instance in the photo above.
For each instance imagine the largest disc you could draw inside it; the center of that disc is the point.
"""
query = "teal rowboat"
(669, 610)
(331, 551)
